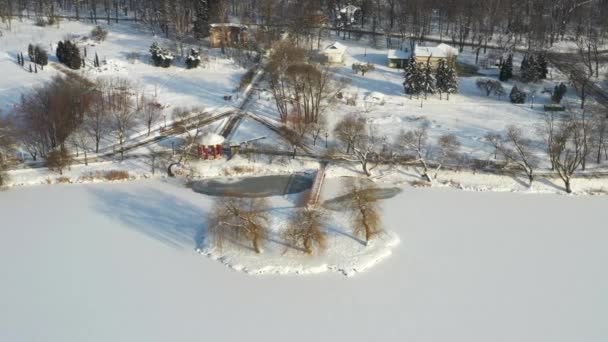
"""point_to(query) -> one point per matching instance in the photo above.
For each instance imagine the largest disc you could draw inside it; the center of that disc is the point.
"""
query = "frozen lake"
(116, 262)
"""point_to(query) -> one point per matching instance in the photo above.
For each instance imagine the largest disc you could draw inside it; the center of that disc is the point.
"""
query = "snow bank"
(344, 254)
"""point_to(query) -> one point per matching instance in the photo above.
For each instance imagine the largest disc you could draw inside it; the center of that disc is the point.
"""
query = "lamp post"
(532, 104)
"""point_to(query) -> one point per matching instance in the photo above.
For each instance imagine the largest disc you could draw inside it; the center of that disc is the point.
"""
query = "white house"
(334, 53)
(423, 53)
(398, 58)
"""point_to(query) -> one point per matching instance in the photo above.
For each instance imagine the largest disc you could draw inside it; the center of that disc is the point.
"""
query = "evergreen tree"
(40, 55)
(506, 69)
(413, 78)
(530, 70)
(60, 52)
(160, 56)
(542, 66)
(193, 60)
(559, 92)
(30, 52)
(71, 55)
(517, 96)
(428, 79)
(447, 82)
(451, 86)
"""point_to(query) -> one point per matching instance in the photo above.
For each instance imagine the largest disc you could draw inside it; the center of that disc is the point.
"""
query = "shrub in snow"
(69, 54)
(363, 68)
(58, 160)
(99, 34)
(193, 60)
(517, 96)
(490, 87)
(160, 56)
(559, 92)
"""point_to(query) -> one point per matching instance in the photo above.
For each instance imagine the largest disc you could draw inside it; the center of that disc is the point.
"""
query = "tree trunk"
(568, 186)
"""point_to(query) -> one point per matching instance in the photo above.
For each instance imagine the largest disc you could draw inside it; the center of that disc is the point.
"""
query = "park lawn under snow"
(175, 86)
(117, 262)
(470, 115)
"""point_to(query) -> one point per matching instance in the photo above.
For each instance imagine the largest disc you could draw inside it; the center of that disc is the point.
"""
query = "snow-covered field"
(470, 114)
(117, 262)
(175, 86)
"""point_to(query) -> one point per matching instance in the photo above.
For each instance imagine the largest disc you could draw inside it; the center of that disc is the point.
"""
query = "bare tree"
(59, 159)
(349, 130)
(97, 120)
(516, 148)
(415, 142)
(600, 133)
(367, 150)
(306, 230)
(151, 112)
(81, 139)
(568, 149)
(239, 219)
(189, 135)
(6, 147)
(364, 209)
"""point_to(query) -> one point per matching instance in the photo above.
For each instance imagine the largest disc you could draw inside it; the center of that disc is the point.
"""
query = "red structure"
(205, 151)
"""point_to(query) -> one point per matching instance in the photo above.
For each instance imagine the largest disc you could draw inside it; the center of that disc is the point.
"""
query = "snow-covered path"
(116, 262)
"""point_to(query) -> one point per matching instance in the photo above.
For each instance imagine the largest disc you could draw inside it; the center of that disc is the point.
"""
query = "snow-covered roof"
(441, 51)
(211, 139)
(336, 47)
(398, 54)
(243, 27)
(350, 9)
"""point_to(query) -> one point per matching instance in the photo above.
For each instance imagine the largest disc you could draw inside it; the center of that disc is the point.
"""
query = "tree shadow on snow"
(157, 214)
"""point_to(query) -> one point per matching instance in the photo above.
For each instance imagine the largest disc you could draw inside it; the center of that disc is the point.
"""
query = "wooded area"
(537, 23)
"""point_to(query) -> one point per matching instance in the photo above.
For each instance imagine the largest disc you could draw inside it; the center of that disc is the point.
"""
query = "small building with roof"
(228, 34)
(398, 58)
(422, 54)
(334, 53)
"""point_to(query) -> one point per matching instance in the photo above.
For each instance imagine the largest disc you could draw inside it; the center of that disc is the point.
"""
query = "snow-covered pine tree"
(506, 69)
(451, 81)
(440, 78)
(428, 79)
(193, 60)
(413, 78)
(530, 70)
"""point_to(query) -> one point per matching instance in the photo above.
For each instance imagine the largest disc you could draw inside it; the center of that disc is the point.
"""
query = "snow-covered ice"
(117, 262)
